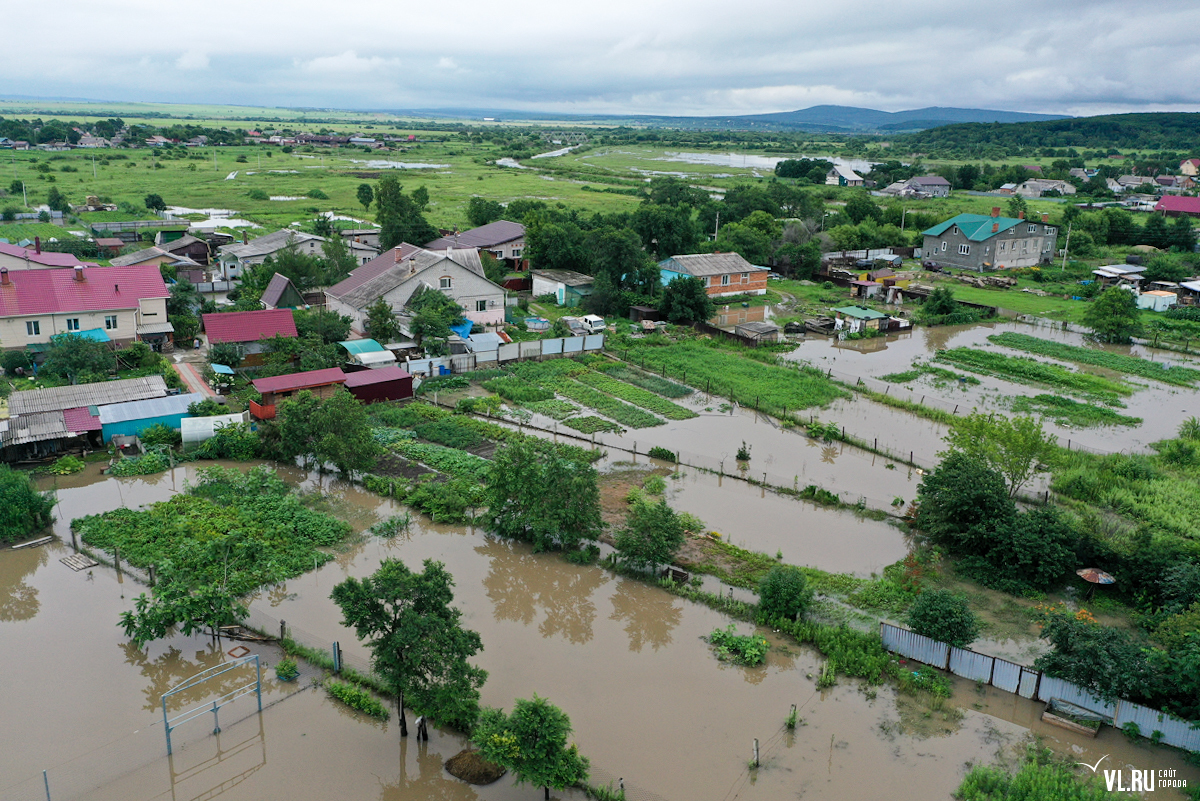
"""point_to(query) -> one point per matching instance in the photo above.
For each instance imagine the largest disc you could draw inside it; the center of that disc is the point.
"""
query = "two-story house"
(503, 239)
(982, 242)
(127, 303)
(398, 273)
(16, 257)
(721, 273)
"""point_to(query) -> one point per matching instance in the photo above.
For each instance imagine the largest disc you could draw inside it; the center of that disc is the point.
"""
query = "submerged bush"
(945, 616)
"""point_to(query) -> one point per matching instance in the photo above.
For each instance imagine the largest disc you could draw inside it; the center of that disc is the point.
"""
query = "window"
(964, 250)
(446, 282)
(499, 254)
(72, 323)
(745, 278)
(33, 328)
(1049, 230)
(516, 253)
(943, 247)
(955, 231)
(724, 280)
(110, 322)
(480, 305)
(1032, 228)
(1002, 246)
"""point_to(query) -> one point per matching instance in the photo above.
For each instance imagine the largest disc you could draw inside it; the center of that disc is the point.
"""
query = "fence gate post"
(46, 781)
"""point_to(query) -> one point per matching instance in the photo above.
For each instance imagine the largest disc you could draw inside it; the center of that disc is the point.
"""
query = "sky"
(697, 57)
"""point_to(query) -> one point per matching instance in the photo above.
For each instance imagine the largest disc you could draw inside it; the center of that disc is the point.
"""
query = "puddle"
(755, 162)
(510, 162)
(384, 164)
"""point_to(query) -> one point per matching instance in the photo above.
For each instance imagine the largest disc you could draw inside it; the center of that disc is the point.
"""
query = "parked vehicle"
(593, 323)
(575, 325)
(931, 265)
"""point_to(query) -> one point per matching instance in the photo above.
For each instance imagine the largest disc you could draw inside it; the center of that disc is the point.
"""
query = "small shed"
(857, 318)
(1157, 300)
(759, 332)
(321, 383)
(132, 418)
(864, 289)
(568, 287)
(368, 353)
(381, 384)
(281, 293)
(197, 430)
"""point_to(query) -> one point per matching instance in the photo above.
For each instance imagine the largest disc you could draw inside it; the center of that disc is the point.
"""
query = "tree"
(494, 269)
(783, 592)
(417, 642)
(665, 230)
(75, 357)
(381, 322)
(652, 534)
(420, 196)
(23, 510)
(1156, 232)
(399, 217)
(184, 298)
(186, 326)
(57, 201)
(181, 599)
(960, 503)
(154, 202)
(1183, 236)
(481, 211)
(536, 494)
(1032, 550)
(532, 743)
(333, 430)
(1105, 661)
(207, 408)
(751, 243)
(366, 196)
(685, 300)
(945, 616)
(1113, 316)
(229, 354)
(324, 324)
(1015, 447)
(339, 261)
(861, 207)
(1016, 206)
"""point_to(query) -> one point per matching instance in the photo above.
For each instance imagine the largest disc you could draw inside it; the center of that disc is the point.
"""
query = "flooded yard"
(624, 659)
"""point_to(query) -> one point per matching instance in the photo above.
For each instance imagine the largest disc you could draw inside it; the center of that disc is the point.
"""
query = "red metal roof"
(1185, 205)
(297, 381)
(379, 375)
(55, 291)
(45, 257)
(248, 326)
(80, 419)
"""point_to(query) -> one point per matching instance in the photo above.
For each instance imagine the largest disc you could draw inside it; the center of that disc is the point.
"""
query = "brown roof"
(485, 236)
(372, 269)
(700, 264)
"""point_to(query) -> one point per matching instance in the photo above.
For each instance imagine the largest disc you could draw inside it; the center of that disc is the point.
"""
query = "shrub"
(161, 434)
(741, 649)
(357, 698)
(743, 453)
(662, 453)
(66, 465)
(655, 485)
(783, 592)
(945, 616)
(317, 194)
(23, 510)
(286, 669)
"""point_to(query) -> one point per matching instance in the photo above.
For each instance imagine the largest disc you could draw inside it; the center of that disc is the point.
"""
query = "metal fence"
(507, 352)
(1030, 683)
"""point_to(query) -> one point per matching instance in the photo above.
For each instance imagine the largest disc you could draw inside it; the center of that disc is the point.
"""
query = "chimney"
(396, 255)
(1020, 215)
(79, 272)
(1045, 217)
(995, 211)
(4, 276)
(37, 245)
(245, 240)
(995, 227)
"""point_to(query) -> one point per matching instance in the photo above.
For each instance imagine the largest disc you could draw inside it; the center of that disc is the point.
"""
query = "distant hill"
(1165, 130)
(830, 119)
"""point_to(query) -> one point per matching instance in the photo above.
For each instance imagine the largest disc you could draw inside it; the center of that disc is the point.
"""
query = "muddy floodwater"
(624, 659)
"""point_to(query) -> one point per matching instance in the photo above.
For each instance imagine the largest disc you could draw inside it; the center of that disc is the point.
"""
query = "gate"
(255, 686)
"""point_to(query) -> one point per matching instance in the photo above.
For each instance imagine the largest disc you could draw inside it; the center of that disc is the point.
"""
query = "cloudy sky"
(618, 56)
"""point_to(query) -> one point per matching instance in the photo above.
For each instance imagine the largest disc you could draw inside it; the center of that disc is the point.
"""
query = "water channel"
(624, 659)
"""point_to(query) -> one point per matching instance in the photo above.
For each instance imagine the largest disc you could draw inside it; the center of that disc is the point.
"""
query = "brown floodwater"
(624, 659)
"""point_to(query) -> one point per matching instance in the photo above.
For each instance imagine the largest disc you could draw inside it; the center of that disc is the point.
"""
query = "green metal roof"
(860, 313)
(356, 346)
(976, 227)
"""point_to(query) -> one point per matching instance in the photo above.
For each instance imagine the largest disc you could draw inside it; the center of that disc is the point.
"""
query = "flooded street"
(624, 659)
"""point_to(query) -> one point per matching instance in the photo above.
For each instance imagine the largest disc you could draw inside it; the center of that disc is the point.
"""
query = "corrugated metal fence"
(1030, 683)
(508, 352)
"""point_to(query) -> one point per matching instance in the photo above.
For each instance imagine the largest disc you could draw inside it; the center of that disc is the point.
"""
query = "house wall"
(507, 250)
(467, 290)
(544, 286)
(13, 330)
(322, 392)
(1015, 247)
(398, 389)
(131, 428)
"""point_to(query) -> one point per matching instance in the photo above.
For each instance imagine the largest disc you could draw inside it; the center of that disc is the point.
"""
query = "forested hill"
(1153, 131)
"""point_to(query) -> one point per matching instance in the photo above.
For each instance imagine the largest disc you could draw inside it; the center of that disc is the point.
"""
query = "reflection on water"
(19, 600)
(649, 617)
(520, 584)
(170, 668)
(420, 774)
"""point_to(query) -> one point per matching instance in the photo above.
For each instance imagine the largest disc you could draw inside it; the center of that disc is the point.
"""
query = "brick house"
(981, 242)
(721, 273)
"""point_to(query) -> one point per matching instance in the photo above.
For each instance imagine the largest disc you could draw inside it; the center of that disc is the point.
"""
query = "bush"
(662, 453)
(23, 510)
(945, 616)
(747, 650)
(161, 434)
(356, 697)
(286, 669)
(16, 360)
(66, 465)
(783, 592)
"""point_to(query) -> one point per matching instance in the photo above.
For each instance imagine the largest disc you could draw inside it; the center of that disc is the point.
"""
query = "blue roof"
(976, 227)
(94, 334)
(357, 346)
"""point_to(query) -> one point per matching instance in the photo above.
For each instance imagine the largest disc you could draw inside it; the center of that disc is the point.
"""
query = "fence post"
(283, 630)
(46, 781)
(756, 752)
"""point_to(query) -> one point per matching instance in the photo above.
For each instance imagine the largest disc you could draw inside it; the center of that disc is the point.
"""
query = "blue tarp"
(222, 369)
(463, 329)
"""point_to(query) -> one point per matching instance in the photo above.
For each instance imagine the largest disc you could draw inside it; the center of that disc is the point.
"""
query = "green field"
(15, 232)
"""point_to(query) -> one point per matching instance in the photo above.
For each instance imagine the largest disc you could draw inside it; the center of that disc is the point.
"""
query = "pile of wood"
(988, 281)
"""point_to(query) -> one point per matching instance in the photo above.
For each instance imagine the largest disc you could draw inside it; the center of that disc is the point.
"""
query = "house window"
(110, 322)
(446, 282)
(1003, 246)
(724, 280)
(480, 305)
(1049, 230)
(1032, 229)
(499, 254)
(964, 250)
(943, 247)
(33, 328)
(745, 277)
(955, 231)
(72, 323)
(516, 253)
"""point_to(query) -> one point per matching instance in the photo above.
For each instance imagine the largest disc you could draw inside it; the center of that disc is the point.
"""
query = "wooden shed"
(380, 384)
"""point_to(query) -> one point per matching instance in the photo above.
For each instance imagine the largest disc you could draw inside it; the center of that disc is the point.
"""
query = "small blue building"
(132, 418)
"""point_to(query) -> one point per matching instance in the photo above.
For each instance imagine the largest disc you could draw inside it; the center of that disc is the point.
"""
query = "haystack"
(472, 768)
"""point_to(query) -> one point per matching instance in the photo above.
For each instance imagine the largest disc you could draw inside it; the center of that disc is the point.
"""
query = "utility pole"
(717, 226)
(903, 217)
(1067, 245)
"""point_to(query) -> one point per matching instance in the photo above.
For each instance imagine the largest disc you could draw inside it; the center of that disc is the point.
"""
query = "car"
(864, 264)
(774, 277)
(931, 265)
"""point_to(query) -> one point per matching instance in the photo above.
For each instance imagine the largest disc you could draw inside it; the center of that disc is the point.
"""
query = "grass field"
(15, 232)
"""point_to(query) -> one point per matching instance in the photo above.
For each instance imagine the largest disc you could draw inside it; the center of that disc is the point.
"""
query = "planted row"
(661, 386)
(1067, 412)
(1024, 370)
(445, 460)
(623, 413)
(636, 395)
(1117, 362)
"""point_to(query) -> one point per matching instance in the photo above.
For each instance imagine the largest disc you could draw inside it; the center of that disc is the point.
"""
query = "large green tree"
(417, 641)
(78, 359)
(783, 592)
(945, 616)
(365, 195)
(23, 510)
(399, 216)
(381, 322)
(685, 300)
(335, 430)
(536, 494)
(961, 502)
(1113, 316)
(481, 211)
(1015, 447)
(652, 534)
(665, 230)
(324, 324)
(532, 743)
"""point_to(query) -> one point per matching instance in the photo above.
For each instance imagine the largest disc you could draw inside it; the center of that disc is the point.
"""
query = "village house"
(930, 185)
(321, 383)
(363, 236)
(842, 176)
(503, 239)
(248, 328)
(156, 256)
(281, 293)
(1190, 167)
(186, 246)
(981, 242)
(124, 303)
(234, 259)
(1176, 206)
(131, 418)
(398, 273)
(721, 273)
(1036, 187)
(568, 287)
(15, 257)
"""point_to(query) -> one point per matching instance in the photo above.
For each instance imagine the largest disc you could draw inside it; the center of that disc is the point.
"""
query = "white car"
(594, 324)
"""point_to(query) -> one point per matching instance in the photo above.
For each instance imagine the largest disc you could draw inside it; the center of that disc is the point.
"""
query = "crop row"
(1024, 370)
(591, 424)
(636, 395)
(445, 460)
(661, 386)
(1067, 412)
(1117, 362)
(623, 413)
(557, 408)
(517, 389)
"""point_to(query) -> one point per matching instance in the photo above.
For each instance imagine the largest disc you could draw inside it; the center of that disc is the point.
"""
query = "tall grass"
(1118, 363)
(1024, 370)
